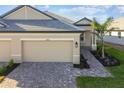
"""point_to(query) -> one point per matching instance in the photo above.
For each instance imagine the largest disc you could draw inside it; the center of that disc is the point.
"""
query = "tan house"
(30, 35)
(118, 27)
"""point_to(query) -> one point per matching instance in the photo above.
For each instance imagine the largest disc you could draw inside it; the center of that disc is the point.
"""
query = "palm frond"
(96, 25)
(101, 28)
(107, 23)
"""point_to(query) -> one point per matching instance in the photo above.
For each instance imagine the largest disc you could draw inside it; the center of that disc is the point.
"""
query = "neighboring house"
(30, 35)
(118, 27)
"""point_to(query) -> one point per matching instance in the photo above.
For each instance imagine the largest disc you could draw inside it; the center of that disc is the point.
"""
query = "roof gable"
(83, 22)
(26, 12)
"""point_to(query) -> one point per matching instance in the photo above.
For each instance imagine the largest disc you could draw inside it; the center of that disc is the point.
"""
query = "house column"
(16, 50)
(76, 50)
(93, 41)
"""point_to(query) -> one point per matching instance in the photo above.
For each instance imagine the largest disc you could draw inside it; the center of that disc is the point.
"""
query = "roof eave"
(82, 24)
(41, 31)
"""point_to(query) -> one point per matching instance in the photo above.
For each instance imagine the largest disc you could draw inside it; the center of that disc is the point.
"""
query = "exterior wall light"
(76, 44)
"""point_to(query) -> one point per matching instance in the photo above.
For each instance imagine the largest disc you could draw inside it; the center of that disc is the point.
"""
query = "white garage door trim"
(5, 39)
(48, 41)
(6, 51)
(44, 39)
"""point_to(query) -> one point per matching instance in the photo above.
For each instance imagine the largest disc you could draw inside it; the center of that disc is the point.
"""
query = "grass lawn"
(106, 82)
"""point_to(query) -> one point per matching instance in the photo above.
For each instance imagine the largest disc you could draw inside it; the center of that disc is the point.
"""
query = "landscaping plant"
(5, 70)
(101, 29)
(11, 63)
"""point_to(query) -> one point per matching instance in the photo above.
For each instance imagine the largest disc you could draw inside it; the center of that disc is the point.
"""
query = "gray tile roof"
(59, 17)
(57, 23)
(83, 22)
(2, 23)
(38, 25)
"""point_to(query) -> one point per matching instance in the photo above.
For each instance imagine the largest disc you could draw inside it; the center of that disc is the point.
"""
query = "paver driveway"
(44, 74)
(33, 75)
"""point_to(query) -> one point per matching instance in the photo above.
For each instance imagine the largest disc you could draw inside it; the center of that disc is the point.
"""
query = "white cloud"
(102, 6)
(85, 11)
(80, 10)
(120, 9)
(42, 7)
(102, 18)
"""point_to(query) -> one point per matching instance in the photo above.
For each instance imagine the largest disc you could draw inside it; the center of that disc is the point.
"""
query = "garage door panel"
(5, 47)
(47, 51)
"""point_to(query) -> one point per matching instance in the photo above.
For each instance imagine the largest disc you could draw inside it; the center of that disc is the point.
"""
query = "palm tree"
(100, 30)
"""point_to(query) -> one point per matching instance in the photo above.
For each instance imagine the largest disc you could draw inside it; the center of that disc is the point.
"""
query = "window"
(82, 37)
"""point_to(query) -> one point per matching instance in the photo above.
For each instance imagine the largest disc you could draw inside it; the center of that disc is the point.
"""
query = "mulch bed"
(9, 69)
(108, 60)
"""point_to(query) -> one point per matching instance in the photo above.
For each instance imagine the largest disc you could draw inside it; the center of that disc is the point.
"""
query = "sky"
(76, 12)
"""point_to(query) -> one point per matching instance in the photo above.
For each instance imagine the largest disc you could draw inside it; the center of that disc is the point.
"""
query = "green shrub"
(11, 63)
(3, 70)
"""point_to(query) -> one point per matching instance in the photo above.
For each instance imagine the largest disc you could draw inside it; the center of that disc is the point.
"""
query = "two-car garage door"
(39, 51)
(47, 51)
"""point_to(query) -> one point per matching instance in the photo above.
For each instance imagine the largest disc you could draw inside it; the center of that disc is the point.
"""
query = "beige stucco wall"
(88, 39)
(17, 39)
(86, 27)
(26, 13)
(87, 42)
